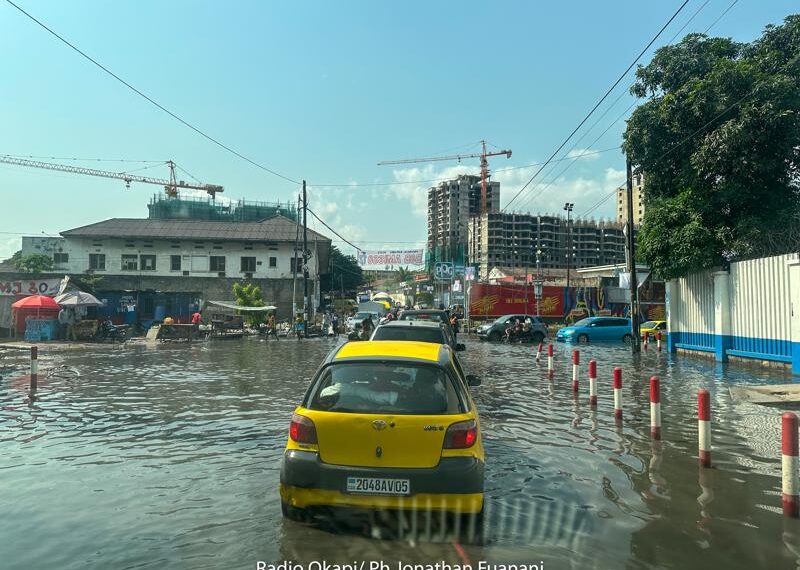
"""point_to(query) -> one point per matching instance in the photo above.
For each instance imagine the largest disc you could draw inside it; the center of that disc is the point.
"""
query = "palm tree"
(403, 274)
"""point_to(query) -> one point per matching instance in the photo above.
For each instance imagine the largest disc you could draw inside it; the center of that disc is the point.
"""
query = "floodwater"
(168, 456)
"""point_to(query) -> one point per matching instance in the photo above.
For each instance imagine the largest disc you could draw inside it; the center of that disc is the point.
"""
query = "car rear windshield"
(418, 334)
(385, 387)
(435, 317)
(648, 325)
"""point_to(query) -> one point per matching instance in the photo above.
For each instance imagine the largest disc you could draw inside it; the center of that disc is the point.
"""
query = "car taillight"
(302, 429)
(461, 435)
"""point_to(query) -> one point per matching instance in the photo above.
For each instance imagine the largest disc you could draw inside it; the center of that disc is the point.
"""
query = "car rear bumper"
(456, 484)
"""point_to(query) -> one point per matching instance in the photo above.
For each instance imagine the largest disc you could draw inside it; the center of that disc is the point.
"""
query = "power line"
(151, 100)
(310, 211)
(714, 23)
(399, 183)
(603, 98)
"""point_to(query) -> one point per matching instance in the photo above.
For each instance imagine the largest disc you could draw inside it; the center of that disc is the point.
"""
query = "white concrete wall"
(196, 252)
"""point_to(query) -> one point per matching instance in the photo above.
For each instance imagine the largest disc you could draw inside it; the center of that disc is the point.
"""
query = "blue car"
(596, 329)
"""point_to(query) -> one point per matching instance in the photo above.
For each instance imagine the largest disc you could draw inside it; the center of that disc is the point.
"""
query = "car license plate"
(378, 486)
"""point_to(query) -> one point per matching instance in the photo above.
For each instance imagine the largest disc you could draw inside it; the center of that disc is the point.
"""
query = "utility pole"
(568, 207)
(305, 262)
(630, 246)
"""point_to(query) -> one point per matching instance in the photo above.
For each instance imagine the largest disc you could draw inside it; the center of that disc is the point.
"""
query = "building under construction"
(451, 204)
(163, 207)
(513, 240)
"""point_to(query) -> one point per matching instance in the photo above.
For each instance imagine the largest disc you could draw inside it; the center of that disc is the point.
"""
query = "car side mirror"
(473, 380)
(461, 347)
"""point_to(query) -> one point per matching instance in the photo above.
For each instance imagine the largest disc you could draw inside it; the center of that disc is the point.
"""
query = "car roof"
(426, 311)
(392, 349)
(414, 324)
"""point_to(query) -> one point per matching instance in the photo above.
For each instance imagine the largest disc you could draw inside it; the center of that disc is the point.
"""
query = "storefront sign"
(47, 287)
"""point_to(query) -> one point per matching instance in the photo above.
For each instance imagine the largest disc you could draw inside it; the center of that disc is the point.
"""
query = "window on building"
(217, 263)
(273, 262)
(130, 262)
(60, 257)
(97, 261)
(174, 262)
(248, 264)
(147, 262)
(199, 264)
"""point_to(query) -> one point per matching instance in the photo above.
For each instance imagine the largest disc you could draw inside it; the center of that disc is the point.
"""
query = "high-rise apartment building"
(513, 240)
(638, 201)
(450, 205)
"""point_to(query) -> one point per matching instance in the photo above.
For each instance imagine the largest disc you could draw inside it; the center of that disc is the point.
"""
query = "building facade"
(529, 241)
(638, 201)
(451, 204)
(200, 257)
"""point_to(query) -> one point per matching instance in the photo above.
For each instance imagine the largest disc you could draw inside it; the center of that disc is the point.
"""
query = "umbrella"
(36, 302)
(78, 299)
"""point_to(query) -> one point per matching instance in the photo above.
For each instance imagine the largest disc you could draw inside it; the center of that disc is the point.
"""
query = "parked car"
(651, 328)
(386, 425)
(594, 329)
(496, 330)
(419, 331)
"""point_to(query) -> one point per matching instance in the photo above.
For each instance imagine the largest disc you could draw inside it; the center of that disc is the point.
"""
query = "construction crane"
(171, 186)
(484, 165)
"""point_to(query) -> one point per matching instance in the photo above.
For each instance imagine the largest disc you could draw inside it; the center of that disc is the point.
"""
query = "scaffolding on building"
(163, 207)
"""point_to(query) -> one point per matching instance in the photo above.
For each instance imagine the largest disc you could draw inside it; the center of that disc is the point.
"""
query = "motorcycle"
(112, 333)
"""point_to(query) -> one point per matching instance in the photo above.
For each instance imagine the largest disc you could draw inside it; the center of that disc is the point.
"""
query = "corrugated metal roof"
(277, 229)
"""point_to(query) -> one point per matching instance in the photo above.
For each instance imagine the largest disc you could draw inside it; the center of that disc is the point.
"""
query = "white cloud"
(9, 245)
(583, 154)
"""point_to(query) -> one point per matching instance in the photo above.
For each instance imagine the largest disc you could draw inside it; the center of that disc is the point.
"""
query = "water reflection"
(168, 456)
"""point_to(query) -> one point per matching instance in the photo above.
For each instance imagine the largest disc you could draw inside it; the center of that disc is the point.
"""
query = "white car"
(359, 317)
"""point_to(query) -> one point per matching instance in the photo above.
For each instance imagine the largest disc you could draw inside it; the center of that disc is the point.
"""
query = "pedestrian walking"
(271, 331)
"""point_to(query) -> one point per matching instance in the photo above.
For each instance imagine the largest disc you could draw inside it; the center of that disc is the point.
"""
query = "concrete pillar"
(794, 292)
(722, 315)
(670, 299)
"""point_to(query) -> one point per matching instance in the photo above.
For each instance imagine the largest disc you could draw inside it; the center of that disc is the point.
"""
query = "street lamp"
(568, 208)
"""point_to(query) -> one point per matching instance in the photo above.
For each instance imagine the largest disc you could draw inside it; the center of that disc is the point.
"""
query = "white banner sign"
(47, 287)
(394, 258)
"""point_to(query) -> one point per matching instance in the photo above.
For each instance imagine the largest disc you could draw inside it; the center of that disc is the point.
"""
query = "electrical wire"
(714, 23)
(151, 100)
(310, 211)
(443, 179)
(603, 98)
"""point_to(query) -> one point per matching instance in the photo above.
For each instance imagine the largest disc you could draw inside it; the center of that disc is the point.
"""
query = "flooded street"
(168, 457)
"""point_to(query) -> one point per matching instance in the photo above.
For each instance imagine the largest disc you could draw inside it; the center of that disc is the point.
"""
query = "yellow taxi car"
(385, 425)
(652, 328)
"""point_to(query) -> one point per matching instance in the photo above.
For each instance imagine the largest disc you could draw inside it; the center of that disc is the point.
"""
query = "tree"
(403, 274)
(34, 263)
(14, 259)
(344, 272)
(717, 140)
(249, 295)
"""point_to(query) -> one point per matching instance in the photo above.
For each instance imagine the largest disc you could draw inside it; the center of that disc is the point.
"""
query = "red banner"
(495, 300)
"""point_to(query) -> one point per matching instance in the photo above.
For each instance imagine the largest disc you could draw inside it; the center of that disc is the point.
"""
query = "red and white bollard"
(550, 358)
(34, 370)
(592, 383)
(658, 341)
(618, 393)
(789, 464)
(576, 360)
(644, 341)
(539, 352)
(655, 407)
(704, 426)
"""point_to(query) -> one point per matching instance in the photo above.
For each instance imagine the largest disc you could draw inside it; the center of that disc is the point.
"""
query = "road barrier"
(550, 358)
(34, 371)
(655, 407)
(644, 341)
(704, 426)
(658, 341)
(789, 463)
(539, 352)
(593, 383)
(576, 360)
(618, 393)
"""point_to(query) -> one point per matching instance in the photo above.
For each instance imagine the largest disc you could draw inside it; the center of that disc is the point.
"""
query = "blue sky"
(323, 91)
